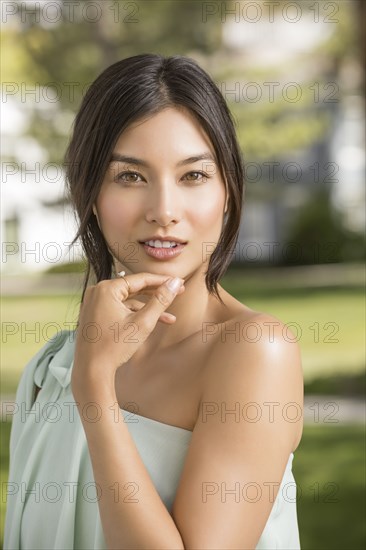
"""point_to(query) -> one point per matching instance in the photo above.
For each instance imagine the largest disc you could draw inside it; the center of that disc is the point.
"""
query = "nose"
(164, 204)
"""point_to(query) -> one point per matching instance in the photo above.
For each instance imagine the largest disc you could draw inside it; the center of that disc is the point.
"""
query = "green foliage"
(345, 384)
(69, 54)
(318, 235)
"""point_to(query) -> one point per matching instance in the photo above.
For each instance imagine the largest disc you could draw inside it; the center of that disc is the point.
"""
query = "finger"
(148, 282)
(133, 305)
(136, 305)
(167, 318)
(143, 296)
(158, 303)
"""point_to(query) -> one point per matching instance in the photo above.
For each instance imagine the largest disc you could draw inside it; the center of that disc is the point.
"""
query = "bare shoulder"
(256, 358)
(249, 335)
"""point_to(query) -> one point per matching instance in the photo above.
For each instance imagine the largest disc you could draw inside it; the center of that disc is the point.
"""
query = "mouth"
(163, 253)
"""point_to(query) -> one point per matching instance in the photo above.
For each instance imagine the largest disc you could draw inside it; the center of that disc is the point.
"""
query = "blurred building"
(262, 38)
(36, 224)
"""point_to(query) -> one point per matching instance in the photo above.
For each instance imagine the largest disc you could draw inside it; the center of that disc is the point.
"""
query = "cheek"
(208, 213)
(114, 215)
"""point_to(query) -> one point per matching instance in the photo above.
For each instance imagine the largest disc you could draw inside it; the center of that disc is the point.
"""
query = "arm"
(145, 522)
(214, 506)
(220, 452)
(140, 521)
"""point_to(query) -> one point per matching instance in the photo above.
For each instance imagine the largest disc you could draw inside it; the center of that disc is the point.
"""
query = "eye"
(128, 177)
(196, 176)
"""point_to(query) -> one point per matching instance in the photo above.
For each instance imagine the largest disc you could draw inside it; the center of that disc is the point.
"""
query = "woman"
(171, 419)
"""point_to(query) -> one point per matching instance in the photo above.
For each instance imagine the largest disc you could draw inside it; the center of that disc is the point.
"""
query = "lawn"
(329, 469)
(27, 323)
(328, 321)
(329, 324)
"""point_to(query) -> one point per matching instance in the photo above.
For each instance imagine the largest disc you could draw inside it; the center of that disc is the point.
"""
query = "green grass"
(4, 472)
(329, 469)
(329, 472)
(321, 316)
(330, 327)
(329, 322)
(45, 316)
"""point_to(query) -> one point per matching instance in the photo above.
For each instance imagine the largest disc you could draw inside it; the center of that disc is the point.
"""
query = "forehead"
(173, 130)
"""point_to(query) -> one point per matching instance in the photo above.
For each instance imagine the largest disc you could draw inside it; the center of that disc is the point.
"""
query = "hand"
(110, 330)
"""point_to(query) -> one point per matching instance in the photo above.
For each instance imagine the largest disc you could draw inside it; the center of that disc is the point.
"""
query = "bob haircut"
(130, 90)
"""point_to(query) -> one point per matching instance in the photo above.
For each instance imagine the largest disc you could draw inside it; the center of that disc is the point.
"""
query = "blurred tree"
(317, 235)
(270, 129)
(64, 54)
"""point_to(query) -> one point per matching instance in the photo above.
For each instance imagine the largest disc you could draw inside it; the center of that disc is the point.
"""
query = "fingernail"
(174, 284)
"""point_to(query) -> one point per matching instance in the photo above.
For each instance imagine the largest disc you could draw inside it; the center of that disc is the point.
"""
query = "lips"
(163, 253)
(166, 239)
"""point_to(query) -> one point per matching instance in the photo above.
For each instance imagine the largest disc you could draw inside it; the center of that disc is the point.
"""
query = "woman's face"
(162, 190)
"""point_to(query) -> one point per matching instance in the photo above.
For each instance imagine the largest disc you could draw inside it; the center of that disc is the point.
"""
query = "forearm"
(132, 512)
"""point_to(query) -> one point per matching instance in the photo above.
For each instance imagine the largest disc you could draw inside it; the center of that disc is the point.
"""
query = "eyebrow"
(116, 157)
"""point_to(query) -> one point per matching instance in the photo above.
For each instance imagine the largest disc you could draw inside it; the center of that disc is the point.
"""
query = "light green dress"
(52, 501)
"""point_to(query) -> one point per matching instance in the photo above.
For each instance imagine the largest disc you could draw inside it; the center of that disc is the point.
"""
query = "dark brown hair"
(127, 91)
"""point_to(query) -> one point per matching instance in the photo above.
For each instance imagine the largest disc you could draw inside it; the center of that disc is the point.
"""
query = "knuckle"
(144, 326)
(102, 285)
(163, 297)
(88, 291)
(133, 304)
